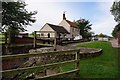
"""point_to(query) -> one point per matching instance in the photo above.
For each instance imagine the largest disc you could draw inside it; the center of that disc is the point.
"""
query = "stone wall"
(84, 53)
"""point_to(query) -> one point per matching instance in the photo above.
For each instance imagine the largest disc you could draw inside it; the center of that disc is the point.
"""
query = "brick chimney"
(64, 18)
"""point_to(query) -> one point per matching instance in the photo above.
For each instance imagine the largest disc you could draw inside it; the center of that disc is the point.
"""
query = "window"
(42, 34)
(72, 29)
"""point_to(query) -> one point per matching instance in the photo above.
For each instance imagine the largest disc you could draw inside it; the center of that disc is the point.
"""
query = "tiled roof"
(59, 29)
(72, 24)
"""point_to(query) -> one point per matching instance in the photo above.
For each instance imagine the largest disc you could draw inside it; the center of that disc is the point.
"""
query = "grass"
(30, 35)
(2, 36)
(103, 66)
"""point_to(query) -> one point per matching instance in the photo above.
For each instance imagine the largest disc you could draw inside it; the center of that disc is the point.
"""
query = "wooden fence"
(37, 35)
(47, 60)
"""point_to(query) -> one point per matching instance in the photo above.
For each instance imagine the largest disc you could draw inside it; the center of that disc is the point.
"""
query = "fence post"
(34, 42)
(77, 63)
(55, 41)
(5, 38)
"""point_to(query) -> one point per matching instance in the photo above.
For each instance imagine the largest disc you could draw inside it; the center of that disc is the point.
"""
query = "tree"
(115, 10)
(85, 28)
(102, 35)
(114, 34)
(15, 17)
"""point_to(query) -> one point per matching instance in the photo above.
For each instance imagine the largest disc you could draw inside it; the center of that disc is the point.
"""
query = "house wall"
(103, 39)
(65, 25)
(46, 27)
(73, 31)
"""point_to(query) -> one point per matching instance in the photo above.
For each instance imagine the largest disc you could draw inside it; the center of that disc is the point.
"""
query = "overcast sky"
(96, 11)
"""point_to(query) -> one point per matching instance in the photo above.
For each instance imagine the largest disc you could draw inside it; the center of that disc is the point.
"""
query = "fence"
(43, 63)
(38, 35)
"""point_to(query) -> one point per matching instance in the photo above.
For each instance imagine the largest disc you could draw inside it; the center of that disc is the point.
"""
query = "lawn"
(30, 35)
(103, 66)
(1, 36)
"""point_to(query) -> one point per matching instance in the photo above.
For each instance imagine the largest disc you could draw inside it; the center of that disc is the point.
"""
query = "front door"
(48, 37)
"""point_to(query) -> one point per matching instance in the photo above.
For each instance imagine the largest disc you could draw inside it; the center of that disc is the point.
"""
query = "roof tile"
(59, 29)
(72, 24)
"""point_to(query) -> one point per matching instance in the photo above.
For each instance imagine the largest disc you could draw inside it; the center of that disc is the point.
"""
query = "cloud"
(105, 22)
(104, 26)
(74, 0)
(51, 12)
(48, 12)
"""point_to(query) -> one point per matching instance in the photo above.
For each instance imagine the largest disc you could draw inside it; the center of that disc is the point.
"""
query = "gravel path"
(67, 47)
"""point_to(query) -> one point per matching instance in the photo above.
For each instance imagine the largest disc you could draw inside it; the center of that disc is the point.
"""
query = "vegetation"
(114, 34)
(15, 18)
(2, 36)
(115, 10)
(103, 66)
(102, 35)
(31, 35)
(85, 28)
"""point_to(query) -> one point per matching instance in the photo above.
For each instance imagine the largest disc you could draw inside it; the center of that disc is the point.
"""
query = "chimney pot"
(64, 18)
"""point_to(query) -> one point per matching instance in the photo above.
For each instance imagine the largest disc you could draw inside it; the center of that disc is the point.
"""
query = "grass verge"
(103, 66)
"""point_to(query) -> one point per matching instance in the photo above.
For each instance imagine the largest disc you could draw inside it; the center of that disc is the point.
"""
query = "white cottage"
(71, 27)
(66, 29)
(60, 30)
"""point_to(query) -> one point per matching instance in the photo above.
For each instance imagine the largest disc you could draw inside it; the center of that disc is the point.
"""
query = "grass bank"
(103, 66)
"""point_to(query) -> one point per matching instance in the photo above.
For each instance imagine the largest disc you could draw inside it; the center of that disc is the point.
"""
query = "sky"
(51, 11)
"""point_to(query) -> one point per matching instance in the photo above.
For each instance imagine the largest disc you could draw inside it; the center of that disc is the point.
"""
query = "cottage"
(60, 30)
(71, 27)
(65, 30)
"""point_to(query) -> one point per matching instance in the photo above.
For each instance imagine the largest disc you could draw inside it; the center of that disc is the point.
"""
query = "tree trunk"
(11, 37)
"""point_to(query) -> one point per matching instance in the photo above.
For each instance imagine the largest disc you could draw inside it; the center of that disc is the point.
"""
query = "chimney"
(64, 18)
